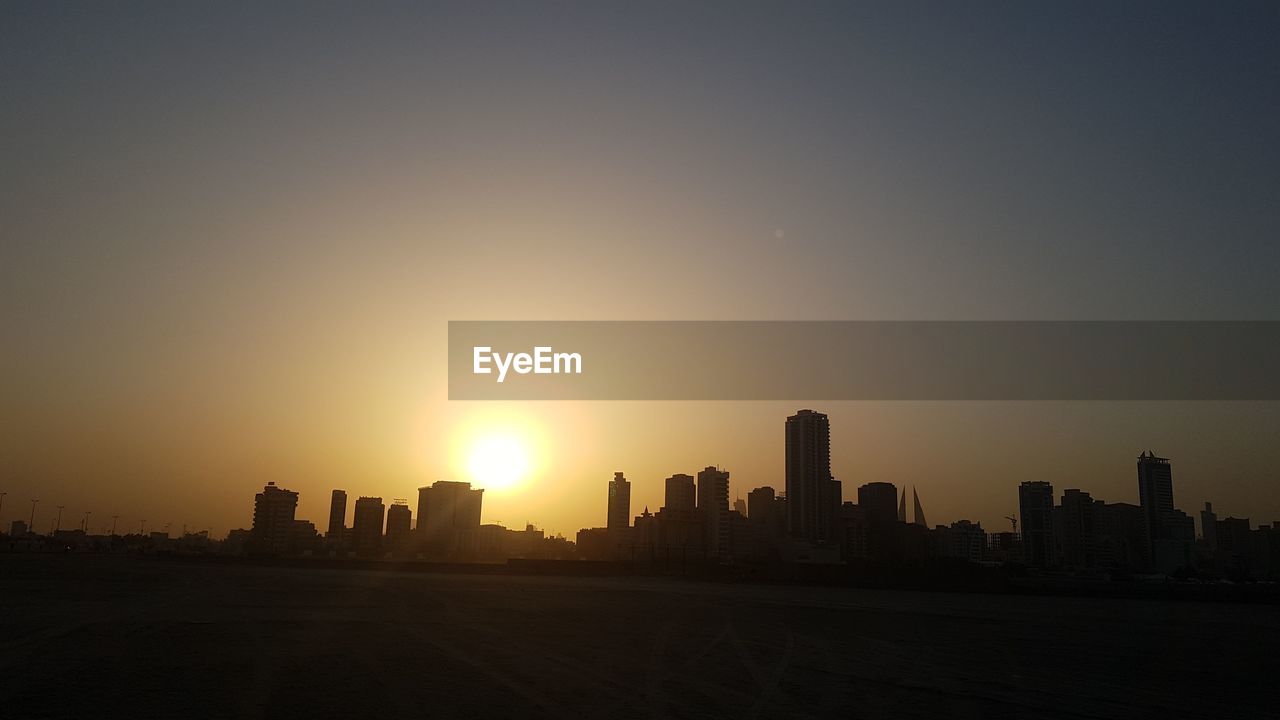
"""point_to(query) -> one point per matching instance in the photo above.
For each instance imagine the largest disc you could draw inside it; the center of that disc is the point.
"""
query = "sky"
(233, 236)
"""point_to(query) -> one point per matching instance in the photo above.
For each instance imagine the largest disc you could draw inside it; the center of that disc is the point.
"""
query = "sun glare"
(498, 462)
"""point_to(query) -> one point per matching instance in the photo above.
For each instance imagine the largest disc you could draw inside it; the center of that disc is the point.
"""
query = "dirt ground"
(84, 637)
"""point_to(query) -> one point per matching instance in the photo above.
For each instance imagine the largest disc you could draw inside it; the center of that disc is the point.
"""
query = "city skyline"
(1158, 486)
(237, 235)
(631, 360)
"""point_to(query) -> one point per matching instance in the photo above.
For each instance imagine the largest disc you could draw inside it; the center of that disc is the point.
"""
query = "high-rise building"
(760, 503)
(880, 519)
(917, 510)
(1122, 540)
(399, 523)
(879, 499)
(811, 504)
(1172, 532)
(1155, 491)
(1208, 526)
(1039, 543)
(337, 514)
(448, 516)
(366, 526)
(619, 516)
(713, 511)
(273, 511)
(681, 497)
(1078, 529)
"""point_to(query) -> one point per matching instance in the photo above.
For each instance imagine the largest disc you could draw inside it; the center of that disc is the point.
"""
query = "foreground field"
(116, 637)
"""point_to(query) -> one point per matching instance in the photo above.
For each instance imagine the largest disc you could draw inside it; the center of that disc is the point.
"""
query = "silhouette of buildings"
(337, 515)
(366, 526)
(619, 514)
(1082, 534)
(1121, 541)
(1208, 527)
(399, 526)
(917, 511)
(680, 497)
(1155, 490)
(273, 511)
(1171, 531)
(593, 544)
(713, 511)
(1039, 540)
(877, 500)
(448, 518)
(813, 500)
(1078, 528)
(963, 539)
(305, 539)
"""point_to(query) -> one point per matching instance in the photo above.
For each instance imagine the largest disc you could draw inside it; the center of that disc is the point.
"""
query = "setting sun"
(498, 462)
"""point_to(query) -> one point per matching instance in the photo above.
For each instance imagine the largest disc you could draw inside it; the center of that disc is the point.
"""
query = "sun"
(498, 461)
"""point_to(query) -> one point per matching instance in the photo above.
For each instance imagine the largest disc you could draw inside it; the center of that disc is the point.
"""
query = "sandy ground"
(116, 637)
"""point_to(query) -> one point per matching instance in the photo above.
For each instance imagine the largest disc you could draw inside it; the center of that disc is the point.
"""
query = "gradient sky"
(233, 235)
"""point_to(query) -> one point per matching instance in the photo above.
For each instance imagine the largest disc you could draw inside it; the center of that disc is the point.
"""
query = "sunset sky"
(233, 237)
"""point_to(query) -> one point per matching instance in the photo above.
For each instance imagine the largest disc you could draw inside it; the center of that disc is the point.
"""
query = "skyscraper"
(448, 516)
(273, 511)
(619, 517)
(810, 505)
(1155, 492)
(1208, 526)
(1039, 543)
(1079, 529)
(399, 522)
(681, 497)
(917, 511)
(366, 526)
(1172, 532)
(713, 510)
(337, 514)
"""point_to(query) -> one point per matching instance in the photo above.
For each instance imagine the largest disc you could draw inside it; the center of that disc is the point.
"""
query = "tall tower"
(1077, 520)
(366, 525)
(917, 512)
(337, 514)
(1039, 541)
(1155, 492)
(448, 516)
(713, 510)
(273, 511)
(619, 518)
(681, 498)
(399, 521)
(810, 505)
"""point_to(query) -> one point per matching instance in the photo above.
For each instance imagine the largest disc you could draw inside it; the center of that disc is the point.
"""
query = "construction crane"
(1013, 520)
